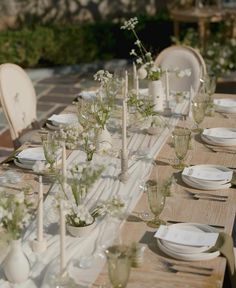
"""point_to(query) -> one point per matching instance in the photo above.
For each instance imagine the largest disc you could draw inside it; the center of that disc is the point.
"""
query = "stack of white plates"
(88, 95)
(57, 121)
(207, 177)
(220, 136)
(189, 252)
(28, 157)
(226, 105)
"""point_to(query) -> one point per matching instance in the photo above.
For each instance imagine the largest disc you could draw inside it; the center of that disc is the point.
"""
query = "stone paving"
(57, 88)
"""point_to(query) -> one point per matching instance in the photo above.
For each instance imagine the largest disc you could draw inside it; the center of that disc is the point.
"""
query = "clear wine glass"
(119, 264)
(198, 112)
(210, 87)
(156, 200)
(181, 140)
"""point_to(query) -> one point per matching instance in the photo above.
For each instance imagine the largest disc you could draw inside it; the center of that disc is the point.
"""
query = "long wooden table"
(179, 208)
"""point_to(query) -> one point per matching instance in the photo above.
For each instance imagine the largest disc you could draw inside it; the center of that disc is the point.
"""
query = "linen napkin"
(224, 244)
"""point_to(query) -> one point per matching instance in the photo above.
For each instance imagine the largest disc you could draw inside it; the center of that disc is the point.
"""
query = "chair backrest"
(182, 57)
(18, 98)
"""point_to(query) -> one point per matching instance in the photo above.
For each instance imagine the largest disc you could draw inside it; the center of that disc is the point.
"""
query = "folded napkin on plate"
(208, 174)
(58, 119)
(224, 244)
(186, 237)
(88, 94)
(33, 154)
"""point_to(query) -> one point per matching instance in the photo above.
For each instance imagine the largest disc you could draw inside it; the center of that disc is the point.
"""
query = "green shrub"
(62, 44)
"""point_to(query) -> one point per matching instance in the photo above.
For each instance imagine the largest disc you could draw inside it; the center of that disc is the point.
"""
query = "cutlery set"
(188, 269)
(207, 196)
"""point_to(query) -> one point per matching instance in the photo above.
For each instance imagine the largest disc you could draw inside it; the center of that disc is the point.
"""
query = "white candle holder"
(39, 246)
(124, 175)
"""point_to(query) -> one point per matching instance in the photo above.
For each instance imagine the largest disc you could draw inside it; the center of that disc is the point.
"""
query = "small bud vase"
(156, 92)
(80, 231)
(16, 265)
(104, 140)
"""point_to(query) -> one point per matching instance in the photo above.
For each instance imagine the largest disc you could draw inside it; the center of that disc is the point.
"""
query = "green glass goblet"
(198, 112)
(119, 263)
(181, 140)
(50, 148)
(156, 199)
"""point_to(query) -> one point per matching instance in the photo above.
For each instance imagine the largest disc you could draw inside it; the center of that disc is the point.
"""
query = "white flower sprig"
(103, 77)
(112, 206)
(14, 213)
(144, 57)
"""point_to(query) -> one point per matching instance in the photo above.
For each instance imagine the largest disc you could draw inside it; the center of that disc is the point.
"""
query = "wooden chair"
(18, 99)
(182, 57)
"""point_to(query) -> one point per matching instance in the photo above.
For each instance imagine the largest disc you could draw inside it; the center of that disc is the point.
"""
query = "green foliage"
(71, 43)
(219, 53)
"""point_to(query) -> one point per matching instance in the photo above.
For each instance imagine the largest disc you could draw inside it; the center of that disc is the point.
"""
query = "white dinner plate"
(31, 154)
(226, 105)
(218, 142)
(205, 186)
(51, 126)
(23, 165)
(63, 119)
(220, 136)
(183, 252)
(208, 172)
(207, 177)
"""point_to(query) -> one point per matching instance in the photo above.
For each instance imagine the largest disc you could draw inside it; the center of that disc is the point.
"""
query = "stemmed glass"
(50, 148)
(181, 141)
(156, 199)
(198, 112)
(210, 87)
(119, 264)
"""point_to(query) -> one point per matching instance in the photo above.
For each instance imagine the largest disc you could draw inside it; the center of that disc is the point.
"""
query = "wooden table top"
(178, 208)
(182, 208)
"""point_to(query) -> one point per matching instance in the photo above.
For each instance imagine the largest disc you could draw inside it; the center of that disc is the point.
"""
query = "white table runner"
(45, 264)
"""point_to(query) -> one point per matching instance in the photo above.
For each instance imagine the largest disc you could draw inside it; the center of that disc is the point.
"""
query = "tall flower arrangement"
(81, 177)
(143, 57)
(14, 213)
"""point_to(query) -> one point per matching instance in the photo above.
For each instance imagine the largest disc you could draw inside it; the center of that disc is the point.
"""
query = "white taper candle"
(137, 86)
(134, 75)
(167, 86)
(64, 172)
(40, 211)
(62, 239)
(124, 116)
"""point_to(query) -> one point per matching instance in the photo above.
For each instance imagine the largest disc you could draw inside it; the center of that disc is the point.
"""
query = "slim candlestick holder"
(124, 175)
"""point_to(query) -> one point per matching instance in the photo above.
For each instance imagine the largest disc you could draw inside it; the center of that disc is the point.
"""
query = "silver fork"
(206, 196)
(178, 268)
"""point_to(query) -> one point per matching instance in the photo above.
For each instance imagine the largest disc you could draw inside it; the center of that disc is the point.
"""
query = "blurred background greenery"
(62, 32)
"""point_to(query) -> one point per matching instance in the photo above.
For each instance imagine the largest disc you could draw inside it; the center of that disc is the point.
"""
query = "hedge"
(62, 44)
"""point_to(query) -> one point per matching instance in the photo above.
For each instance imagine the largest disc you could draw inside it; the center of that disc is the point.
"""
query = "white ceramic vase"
(80, 231)
(104, 140)
(156, 92)
(16, 265)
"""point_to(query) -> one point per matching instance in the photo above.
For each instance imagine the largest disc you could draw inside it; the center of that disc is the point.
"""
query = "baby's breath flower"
(130, 24)
(133, 52)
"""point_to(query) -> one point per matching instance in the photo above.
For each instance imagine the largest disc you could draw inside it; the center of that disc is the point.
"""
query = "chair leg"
(16, 143)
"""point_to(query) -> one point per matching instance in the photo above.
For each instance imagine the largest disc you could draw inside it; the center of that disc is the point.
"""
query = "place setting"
(207, 177)
(59, 121)
(220, 139)
(225, 105)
